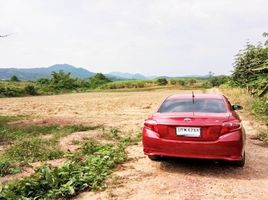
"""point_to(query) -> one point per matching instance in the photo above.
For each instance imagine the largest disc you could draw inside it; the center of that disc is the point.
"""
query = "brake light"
(151, 124)
(231, 126)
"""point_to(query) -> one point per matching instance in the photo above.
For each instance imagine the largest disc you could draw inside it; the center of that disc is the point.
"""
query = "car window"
(199, 105)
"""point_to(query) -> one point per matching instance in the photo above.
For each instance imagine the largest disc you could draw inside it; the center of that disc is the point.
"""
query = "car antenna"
(193, 96)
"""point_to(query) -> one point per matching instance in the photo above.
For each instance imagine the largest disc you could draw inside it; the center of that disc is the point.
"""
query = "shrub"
(30, 90)
(162, 81)
(218, 80)
(173, 82)
(11, 92)
(206, 84)
(192, 81)
(181, 82)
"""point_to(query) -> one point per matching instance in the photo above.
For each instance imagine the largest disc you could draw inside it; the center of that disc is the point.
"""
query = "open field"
(125, 110)
(140, 178)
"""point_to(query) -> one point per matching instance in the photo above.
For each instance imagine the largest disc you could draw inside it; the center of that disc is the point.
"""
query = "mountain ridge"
(44, 72)
(77, 72)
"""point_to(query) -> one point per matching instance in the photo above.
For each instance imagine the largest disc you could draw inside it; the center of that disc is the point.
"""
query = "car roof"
(196, 96)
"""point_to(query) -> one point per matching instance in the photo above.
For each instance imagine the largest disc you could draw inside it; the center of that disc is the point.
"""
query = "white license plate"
(188, 131)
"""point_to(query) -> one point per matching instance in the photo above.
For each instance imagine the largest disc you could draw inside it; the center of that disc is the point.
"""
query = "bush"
(30, 90)
(192, 81)
(206, 84)
(11, 92)
(218, 80)
(181, 82)
(162, 81)
(173, 82)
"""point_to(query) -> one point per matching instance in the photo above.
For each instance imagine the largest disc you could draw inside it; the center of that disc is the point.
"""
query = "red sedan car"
(203, 126)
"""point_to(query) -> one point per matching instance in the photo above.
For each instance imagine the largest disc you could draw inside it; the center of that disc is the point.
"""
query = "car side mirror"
(237, 107)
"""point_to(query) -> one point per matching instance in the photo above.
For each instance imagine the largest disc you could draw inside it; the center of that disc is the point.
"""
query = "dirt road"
(141, 178)
(190, 179)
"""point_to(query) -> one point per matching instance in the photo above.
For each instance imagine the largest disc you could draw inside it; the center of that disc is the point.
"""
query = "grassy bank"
(254, 107)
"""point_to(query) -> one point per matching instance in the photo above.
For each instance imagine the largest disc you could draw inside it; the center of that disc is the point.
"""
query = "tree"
(60, 81)
(98, 80)
(14, 79)
(250, 68)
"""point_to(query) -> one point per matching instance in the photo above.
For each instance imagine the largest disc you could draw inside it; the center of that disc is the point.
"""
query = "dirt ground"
(141, 178)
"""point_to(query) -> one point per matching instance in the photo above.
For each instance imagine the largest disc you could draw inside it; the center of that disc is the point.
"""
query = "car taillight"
(228, 127)
(151, 124)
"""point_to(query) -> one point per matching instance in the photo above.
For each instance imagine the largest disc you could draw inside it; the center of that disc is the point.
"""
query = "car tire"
(154, 157)
(241, 162)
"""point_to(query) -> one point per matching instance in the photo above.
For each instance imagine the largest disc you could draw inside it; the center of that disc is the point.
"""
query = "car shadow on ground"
(253, 169)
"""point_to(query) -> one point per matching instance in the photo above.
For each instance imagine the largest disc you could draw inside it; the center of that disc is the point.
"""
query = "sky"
(152, 37)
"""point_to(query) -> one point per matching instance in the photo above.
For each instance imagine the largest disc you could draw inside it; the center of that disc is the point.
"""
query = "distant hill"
(121, 75)
(37, 73)
(81, 73)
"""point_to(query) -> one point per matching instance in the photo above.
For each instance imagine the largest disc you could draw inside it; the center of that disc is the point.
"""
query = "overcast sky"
(153, 37)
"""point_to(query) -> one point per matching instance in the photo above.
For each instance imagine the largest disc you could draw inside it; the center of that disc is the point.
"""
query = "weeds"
(11, 133)
(27, 146)
(32, 150)
(74, 176)
(7, 167)
(112, 134)
(85, 169)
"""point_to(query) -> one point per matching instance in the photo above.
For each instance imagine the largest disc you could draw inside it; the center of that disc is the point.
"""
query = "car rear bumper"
(228, 147)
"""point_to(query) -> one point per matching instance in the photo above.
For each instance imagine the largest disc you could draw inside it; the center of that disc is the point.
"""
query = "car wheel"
(154, 157)
(241, 162)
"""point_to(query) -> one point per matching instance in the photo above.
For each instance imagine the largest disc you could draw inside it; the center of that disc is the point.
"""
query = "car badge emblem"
(187, 119)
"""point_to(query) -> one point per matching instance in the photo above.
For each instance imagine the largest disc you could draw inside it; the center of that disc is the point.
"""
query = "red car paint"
(222, 136)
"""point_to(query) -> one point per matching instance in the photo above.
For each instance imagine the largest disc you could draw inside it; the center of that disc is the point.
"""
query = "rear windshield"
(187, 105)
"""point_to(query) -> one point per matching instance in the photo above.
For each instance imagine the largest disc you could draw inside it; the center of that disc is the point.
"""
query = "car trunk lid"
(210, 125)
